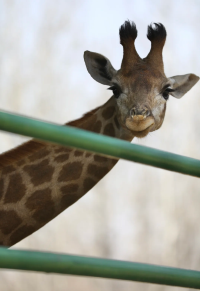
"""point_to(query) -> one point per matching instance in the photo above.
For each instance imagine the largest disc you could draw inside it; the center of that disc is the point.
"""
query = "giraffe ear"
(182, 84)
(99, 67)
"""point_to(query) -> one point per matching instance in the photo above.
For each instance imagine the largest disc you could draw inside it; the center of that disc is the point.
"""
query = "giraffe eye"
(166, 93)
(116, 91)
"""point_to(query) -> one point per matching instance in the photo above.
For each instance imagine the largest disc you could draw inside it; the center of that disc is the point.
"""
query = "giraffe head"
(140, 86)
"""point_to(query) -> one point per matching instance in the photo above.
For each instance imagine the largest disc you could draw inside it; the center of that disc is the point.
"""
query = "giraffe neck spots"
(9, 220)
(108, 112)
(20, 233)
(62, 158)
(88, 184)
(39, 155)
(97, 126)
(109, 122)
(41, 185)
(97, 172)
(40, 172)
(70, 172)
(69, 195)
(109, 130)
(40, 203)
(100, 159)
(16, 189)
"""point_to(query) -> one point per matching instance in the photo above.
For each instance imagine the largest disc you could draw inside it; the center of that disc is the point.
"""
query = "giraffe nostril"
(146, 113)
(132, 112)
(136, 112)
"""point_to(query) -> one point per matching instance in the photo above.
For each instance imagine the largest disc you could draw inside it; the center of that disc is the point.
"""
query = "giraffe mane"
(79, 122)
(32, 146)
(20, 152)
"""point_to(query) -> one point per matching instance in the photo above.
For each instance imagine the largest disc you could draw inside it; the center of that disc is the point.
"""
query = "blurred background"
(136, 212)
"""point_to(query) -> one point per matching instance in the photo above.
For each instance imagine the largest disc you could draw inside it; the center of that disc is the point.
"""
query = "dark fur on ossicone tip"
(158, 32)
(127, 30)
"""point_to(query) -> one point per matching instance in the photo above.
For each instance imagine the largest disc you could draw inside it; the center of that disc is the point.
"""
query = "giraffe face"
(140, 87)
(141, 99)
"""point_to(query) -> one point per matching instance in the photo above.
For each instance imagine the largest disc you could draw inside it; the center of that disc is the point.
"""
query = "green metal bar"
(74, 137)
(87, 266)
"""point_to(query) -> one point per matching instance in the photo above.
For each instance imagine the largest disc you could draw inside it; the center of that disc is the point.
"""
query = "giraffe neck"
(40, 185)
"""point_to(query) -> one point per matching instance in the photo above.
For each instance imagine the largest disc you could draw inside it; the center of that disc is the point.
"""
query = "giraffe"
(39, 180)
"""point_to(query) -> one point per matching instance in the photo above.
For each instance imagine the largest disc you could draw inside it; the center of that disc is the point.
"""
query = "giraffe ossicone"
(39, 180)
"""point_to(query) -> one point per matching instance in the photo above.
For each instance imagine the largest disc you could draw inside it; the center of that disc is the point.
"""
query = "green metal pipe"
(74, 137)
(96, 267)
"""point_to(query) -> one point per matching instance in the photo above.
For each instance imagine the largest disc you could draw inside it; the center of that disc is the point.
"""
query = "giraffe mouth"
(140, 128)
(142, 133)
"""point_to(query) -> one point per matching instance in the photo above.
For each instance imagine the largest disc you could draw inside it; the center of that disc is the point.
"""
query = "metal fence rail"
(82, 139)
(67, 264)
(95, 267)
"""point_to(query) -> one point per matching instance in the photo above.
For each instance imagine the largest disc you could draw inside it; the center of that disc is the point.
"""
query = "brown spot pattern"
(62, 158)
(109, 130)
(21, 162)
(59, 150)
(21, 233)
(88, 184)
(68, 189)
(69, 195)
(1, 188)
(116, 122)
(71, 171)
(9, 220)
(86, 124)
(39, 155)
(40, 173)
(88, 118)
(108, 112)
(8, 170)
(97, 127)
(87, 155)
(78, 153)
(97, 171)
(16, 189)
(100, 159)
(113, 161)
(42, 202)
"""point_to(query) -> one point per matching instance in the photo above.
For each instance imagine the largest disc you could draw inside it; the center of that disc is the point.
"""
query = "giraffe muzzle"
(139, 119)
(138, 115)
